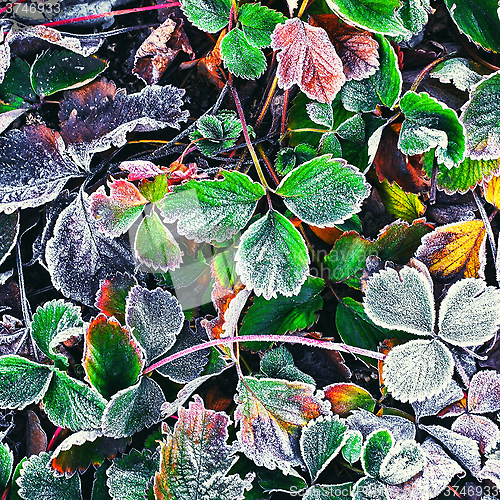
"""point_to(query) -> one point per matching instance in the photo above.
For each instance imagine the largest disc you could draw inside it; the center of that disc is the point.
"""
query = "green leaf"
(216, 210)
(368, 488)
(353, 129)
(481, 119)
(375, 449)
(321, 113)
(330, 145)
(272, 257)
(278, 363)
(112, 294)
(6, 464)
(405, 460)
(383, 88)
(241, 58)
(16, 82)
(129, 476)
(9, 231)
(155, 318)
(258, 22)
(351, 451)
(282, 315)
(457, 70)
(346, 397)
(54, 71)
(275, 480)
(479, 21)
(154, 246)
(329, 492)
(38, 482)
(271, 413)
(431, 124)
(417, 370)
(208, 15)
(134, 408)
(100, 489)
(321, 441)
(288, 158)
(156, 189)
(72, 404)
(196, 458)
(22, 382)
(414, 14)
(50, 322)
(375, 16)
(112, 359)
(324, 191)
(403, 205)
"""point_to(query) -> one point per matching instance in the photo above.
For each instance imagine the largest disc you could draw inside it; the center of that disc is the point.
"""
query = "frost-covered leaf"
(402, 301)
(16, 84)
(346, 397)
(432, 480)
(22, 381)
(38, 482)
(272, 257)
(378, 17)
(111, 358)
(281, 315)
(195, 458)
(98, 116)
(80, 255)
(351, 451)
(404, 460)
(140, 169)
(368, 488)
(241, 58)
(484, 392)
(112, 295)
(100, 490)
(278, 363)
(478, 21)
(33, 167)
(85, 448)
(216, 210)
(54, 71)
(481, 119)
(414, 14)
(258, 23)
(432, 405)
(462, 448)
(431, 124)
(367, 423)
(321, 441)
(417, 370)
(479, 428)
(491, 191)
(155, 318)
(308, 59)
(457, 70)
(470, 313)
(271, 413)
(9, 231)
(72, 404)
(208, 15)
(380, 89)
(324, 191)
(375, 450)
(134, 408)
(6, 464)
(129, 476)
(455, 250)
(49, 321)
(397, 202)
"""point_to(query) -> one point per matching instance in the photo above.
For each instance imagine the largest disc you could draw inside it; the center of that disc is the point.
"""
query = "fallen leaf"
(308, 59)
(403, 205)
(159, 50)
(36, 439)
(210, 66)
(491, 190)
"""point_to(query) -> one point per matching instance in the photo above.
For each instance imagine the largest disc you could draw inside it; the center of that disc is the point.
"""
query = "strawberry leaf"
(112, 359)
(272, 257)
(351, 451)
(208, 15)
(324, 191)
(375, 450)
(216, 210)
(414, 14)
(404, 461)
(346, 397)
(278, 363)
(271, 413)
(368, 488)
(431, 124)
(241, 58)
(403, 205)
(457, 70)
(484, 392)
(195, 458)
(6, 464)
(308, 59)
(258, 23)
(112, 295)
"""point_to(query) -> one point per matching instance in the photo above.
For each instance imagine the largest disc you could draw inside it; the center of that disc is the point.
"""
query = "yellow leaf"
(491, 190)
(403, 205)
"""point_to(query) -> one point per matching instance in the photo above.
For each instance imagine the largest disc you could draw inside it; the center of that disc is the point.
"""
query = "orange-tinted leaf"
(346, 397)
(159, 50)
(357, 48)
(328, 234)
(491, 190)
(393, 165)
(217, 400)
(112, 295)
(455, 251)
(308, 59)
(210, 66)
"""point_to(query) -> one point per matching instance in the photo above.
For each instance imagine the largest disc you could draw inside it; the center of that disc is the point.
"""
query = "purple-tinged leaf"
(134, 408)
(404, 461)
(491, 471)
(112, 295)
(478, 428)
(271, 413)
(195, 458)
(484, 392)
(80, 255)
(112, 359)
(366, 423)
(375, 450)
(33, 167)
(9, 231)
(432, 480)
(434, 404)
(155, 318)
(7, 117)
(140, 169)
(85, 448)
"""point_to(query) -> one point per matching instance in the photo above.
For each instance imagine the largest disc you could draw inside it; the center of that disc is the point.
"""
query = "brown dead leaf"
(159, 50)
(308, 59)
(36, 439)
(210, 66)
(357, 48)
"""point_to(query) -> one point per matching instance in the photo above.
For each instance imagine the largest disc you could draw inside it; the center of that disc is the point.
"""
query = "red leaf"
(308, 59)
